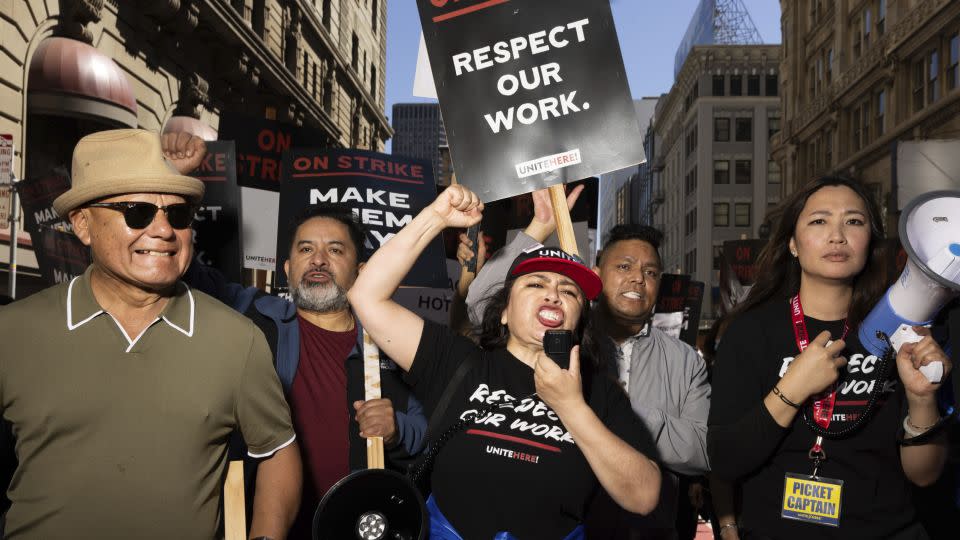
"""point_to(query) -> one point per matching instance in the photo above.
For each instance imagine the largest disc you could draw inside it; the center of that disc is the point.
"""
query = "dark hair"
(491, 334)
(356, 229)
(778, 272)
(620, 233)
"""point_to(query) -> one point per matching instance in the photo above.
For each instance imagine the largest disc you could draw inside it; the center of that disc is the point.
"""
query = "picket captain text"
(506, 51)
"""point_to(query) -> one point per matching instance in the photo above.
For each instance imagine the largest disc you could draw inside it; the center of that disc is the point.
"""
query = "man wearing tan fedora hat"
(123, 386)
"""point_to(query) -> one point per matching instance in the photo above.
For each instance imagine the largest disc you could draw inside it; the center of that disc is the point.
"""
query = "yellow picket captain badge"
(814, 500)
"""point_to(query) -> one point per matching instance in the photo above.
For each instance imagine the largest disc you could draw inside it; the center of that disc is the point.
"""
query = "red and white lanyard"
(824, 403)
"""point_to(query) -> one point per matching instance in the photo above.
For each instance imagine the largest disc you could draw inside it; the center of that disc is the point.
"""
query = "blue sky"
(649, 33)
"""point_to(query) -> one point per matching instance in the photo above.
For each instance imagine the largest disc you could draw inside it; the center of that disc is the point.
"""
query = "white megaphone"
(930, 234)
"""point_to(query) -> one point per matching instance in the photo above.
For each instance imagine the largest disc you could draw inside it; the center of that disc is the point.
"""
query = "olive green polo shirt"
(126, 436)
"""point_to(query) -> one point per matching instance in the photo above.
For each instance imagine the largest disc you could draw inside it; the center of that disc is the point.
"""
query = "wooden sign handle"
(234, 505)
(568, 241)
(371, 390)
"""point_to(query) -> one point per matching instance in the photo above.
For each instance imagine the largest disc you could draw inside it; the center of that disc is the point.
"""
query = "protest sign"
(260, 145)
(36, 198)
(533, 94)
(260, 218)
(216, 226)
(61, 256)
(431, 303)
(691, 313)
(671, 298)
(738, 270)
(385, 191)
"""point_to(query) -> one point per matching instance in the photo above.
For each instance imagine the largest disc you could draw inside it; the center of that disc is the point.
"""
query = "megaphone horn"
(930, 234)
(371, 504)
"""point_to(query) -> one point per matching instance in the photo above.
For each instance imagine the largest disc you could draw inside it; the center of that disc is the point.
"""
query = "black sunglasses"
(139, 215)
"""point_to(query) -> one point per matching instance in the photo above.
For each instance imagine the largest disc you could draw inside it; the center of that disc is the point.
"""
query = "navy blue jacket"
(277, 318)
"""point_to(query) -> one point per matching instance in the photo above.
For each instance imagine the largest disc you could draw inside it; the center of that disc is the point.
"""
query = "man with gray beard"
(318, 351)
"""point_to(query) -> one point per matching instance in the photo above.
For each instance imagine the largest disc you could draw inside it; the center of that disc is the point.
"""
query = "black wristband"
(783, 398)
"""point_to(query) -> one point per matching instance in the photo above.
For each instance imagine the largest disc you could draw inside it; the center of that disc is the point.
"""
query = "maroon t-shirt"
(321, 416)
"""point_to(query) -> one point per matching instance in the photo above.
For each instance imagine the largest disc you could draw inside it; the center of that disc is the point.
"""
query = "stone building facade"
(861, 76)
(71, 67)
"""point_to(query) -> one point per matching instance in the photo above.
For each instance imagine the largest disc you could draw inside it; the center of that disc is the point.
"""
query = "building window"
(917, 84)
(691, 260)
(718, 85)
(865, 121)
(933, 89)
(717, 257)
(773, 125)
(881, 110)
(741, 215)
(828, 147)
(355, 52)
(736, 85)
(953, 74)
(744, 129)
(721, 129)
(773, 172)
(326, 14)
(744, 171)
(856, 33)
(373, 82)
(855, 127)
(753, 85)
(867, 24)
(773, 85)
(375, 16)
(881, 17)
(829, 64)
(721, 172)
(721, 214)
(691, 222)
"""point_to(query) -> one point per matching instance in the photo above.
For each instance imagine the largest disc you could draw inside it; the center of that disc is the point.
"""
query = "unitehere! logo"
(454, 8)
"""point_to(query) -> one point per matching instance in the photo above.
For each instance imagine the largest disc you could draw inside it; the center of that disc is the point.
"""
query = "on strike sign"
(533, 93)
(385, 192)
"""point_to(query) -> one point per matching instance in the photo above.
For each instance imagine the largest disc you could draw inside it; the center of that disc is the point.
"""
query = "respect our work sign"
(532, 93)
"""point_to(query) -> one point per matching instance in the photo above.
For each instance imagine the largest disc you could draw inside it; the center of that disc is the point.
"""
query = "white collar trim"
(70, 325)
(73, 326)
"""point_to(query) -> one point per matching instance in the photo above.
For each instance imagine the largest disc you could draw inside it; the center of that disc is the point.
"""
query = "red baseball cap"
(548, 259)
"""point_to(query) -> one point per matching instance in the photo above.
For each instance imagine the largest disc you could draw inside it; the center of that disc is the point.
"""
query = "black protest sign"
(37, 196)
(738, 270)
(691, 313)
(61, 256)
(673, 293)
(216, 238)
(385, 191)
(260, 145)
(532, 93)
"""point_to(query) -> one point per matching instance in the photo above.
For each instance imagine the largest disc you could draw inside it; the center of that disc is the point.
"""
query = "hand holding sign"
(457, 206)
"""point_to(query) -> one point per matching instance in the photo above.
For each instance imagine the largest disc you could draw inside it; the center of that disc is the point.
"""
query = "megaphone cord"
(885, 361)
(420, 472)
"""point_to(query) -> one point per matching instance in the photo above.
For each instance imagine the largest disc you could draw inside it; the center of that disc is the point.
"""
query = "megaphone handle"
(906, 334)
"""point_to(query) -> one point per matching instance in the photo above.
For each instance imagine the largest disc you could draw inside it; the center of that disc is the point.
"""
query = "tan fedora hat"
(120, 161)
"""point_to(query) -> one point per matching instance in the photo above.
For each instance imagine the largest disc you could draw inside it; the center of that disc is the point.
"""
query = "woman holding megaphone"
(536, 437)
(816, 430)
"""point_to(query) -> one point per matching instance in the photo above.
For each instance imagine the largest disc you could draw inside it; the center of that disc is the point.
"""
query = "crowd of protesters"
(150, 368)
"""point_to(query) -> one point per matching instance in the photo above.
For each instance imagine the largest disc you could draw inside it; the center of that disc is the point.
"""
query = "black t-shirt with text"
(518, 469)
(746, 442)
